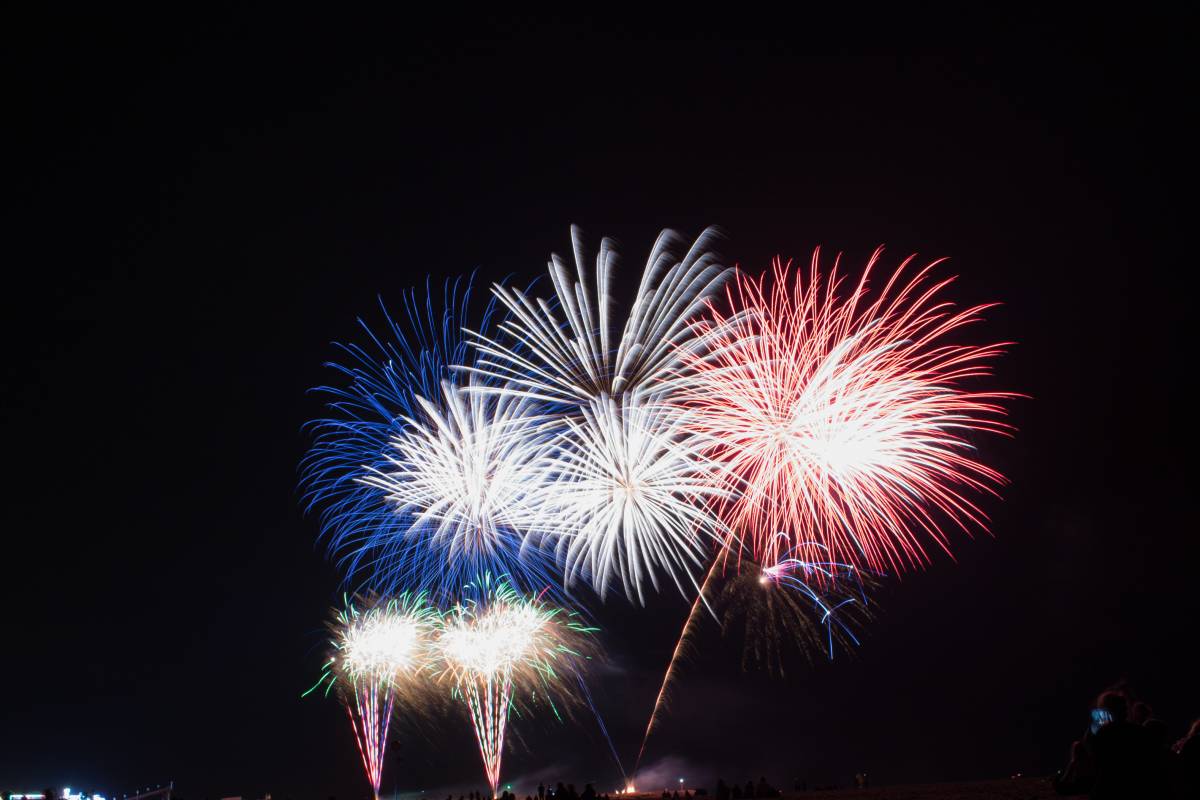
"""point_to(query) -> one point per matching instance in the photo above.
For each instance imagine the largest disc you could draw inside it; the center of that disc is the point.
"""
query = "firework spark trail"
(584, 356)
(789, 572)
(422, 479)
(845, 420)
(688, 625)
(370, 724)
(496, 642)
(468, 474)
(587, 694)
(379, 383)
(634, 490)
(799, 575)
(635, 495)
(381, 653)
(489, 699)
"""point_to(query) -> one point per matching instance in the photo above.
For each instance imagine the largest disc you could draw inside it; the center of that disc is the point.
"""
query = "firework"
(793, 603)
(382, 653)
(380, 382)
(783, 604)
(469, 476)
(497, 643)
(634, 494)
(585, 356)
(846, 420)
(419, 481)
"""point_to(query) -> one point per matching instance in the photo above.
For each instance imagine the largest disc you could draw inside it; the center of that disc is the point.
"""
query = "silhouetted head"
(1140, 713)
(1115, 704)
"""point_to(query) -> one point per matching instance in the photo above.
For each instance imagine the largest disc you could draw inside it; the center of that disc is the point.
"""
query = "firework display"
(382, 651)
(635, 494)
(469, 475)
(584, 356)
(496, 643)
(846, 420)
(423, 482)
(794, 438)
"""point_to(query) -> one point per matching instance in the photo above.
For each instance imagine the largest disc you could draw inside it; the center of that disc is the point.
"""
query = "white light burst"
(383, 644)
(470, 473)
(635, 494)
(584, 355)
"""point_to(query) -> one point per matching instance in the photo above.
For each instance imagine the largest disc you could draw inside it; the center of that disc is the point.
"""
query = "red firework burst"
(846, 419)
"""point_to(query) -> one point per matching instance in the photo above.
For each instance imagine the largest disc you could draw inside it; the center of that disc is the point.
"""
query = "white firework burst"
(583, 355)
(634, 495)
(470, 475)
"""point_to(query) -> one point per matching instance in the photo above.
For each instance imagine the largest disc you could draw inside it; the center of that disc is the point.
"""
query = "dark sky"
(204, 204)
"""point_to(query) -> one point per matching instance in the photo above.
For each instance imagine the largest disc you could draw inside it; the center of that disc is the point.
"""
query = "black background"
(203, 204)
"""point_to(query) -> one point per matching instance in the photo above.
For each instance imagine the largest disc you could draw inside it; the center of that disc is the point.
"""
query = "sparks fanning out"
(470, 476)
(793, 437)
(848, 421)
(584, 356)
(496, 644)
(634, 489)
(793, 604)
(635, 494)
(382, 654)
(421, 483)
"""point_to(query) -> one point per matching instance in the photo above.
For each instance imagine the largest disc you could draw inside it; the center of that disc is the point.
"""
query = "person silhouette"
(1121, 752)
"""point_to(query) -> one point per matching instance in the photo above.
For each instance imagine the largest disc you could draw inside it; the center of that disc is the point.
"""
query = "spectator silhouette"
(1120, 751)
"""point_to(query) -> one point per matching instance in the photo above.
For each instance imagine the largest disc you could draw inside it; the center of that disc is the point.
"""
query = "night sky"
(203, 205)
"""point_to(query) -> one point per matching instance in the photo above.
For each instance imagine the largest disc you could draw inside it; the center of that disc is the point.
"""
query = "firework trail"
(680, 646)
(794, 598)
(497, 642)
(767, 599)
(381, 653)
(846, 420)
(420, 481)
(587, 695)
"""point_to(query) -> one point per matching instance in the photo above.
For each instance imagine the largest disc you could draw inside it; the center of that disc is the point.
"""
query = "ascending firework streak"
(496, 642)
(846, 421)
(381, 654)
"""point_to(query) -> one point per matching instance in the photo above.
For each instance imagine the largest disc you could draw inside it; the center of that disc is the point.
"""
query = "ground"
(1014, 789)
